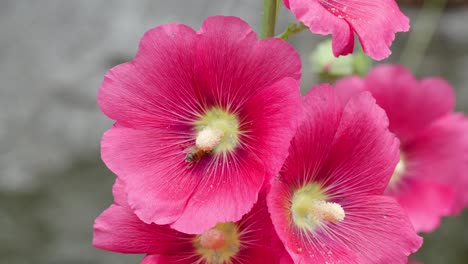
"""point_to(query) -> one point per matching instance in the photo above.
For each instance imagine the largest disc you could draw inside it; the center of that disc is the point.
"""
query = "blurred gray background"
(53, 56)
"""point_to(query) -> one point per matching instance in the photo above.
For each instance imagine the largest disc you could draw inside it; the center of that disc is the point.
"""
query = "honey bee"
(194, 153)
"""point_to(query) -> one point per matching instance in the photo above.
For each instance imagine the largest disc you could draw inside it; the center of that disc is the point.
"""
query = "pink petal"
(311, 145)
(120, 196)
(155, 166)
(118, 229)
(410, 104)
(425, 202)
(228, 68)
(169, 259)
(299, 250)
(225, 193)
(234, 187)
(440, 154)
(272, 116)
(153, 259)
(352, 145)
(348, 87)
(363, 153)
(258, 233)
(146, 161)
(434, 141)
(319, 20)
(286, 3)
(376, 229)
(286, 258)
(351, 153)
(375, 23)
(257, 226)
(157, 85)
(259, 255)
(231, 64)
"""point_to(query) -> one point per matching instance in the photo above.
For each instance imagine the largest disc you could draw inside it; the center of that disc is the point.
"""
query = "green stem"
(422, 33)
(268, 18)
(291, 30)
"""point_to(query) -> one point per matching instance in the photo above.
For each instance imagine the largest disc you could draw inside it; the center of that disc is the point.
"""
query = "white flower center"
(398, 173)
(328, 211)
(208, 138)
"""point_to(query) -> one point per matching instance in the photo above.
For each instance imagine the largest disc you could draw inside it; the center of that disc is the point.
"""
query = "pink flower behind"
(203, 118)
(327, 203)
(250, 240)
(374, 21)
(431, 178)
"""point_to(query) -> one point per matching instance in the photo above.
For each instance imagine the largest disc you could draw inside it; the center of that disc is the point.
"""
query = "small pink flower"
(374, 21)
(431, 179)
(250, 240)
(203, 118)
(327, 203)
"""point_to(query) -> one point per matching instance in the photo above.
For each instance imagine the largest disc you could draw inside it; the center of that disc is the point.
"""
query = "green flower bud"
(329, 68)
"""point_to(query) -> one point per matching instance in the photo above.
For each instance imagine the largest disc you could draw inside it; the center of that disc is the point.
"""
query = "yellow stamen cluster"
(218, 131)
(310, 209)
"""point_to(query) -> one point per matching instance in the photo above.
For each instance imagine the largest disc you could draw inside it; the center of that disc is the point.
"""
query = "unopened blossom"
(250, 240)
(327, 203)
(375, 22)
(203, 120)
(431, 177)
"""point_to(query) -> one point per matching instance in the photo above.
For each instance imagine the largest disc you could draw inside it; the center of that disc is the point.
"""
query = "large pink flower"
(431, 178)
(250, 240)
(374, 21)
(327, 203)
(203, 120)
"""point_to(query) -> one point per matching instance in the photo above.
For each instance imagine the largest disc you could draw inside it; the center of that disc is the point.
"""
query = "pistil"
(208, 138)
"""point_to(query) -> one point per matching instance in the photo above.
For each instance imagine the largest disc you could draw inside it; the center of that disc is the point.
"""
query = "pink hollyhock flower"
(374, 21)
(250, 240)
(327, 202)
(431, 179)
(203, 120)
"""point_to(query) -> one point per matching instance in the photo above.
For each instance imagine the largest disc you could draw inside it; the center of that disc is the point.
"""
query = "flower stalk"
(269, 15)
(292, 29)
